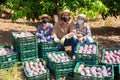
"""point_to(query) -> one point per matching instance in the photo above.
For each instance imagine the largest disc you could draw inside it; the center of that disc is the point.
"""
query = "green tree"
(31, 9)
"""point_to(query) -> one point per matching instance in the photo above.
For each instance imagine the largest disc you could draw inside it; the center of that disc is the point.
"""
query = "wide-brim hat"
(66, 11)
(82, 16)
(44, 15)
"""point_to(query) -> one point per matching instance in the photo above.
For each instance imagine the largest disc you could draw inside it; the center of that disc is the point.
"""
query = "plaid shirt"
(85, 31)
(46, 31)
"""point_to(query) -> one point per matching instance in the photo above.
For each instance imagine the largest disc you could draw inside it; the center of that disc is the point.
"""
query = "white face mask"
(80, 21)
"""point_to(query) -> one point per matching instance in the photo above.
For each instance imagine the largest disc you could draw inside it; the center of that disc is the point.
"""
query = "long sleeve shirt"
(61, 31)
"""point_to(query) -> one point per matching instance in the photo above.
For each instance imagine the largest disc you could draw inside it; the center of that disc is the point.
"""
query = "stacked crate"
(45, 47)
(27, 47)
(84, 55)
(114, 59)
(8, 60)
(60, 69)
(35, 70)
(93, 72)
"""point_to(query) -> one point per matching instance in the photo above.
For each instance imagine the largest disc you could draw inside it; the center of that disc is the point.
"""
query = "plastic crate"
(78, 76)
(84, 57)
(8, 57)
(58, 75)
(24, 43)
(60, 65)
(6, 65)
(28, 54)
(88, 62)
(116, 65)
(48, 46)
(44, 76)
(24, 40)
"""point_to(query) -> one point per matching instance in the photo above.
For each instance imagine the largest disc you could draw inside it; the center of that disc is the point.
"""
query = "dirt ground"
(105, 32)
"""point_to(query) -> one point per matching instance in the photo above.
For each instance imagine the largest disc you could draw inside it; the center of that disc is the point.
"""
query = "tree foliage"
(32, 9)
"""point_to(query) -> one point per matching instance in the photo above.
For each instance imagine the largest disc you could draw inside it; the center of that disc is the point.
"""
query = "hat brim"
(40, 17)
(65, 12)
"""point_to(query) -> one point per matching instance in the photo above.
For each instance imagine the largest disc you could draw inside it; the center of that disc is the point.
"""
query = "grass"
(13, 73)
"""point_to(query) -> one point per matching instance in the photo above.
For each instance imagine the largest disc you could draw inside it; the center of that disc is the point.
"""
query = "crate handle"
(36, 77)
(9, 59)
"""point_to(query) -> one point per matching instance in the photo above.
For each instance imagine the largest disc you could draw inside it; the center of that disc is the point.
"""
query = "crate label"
(9, 59)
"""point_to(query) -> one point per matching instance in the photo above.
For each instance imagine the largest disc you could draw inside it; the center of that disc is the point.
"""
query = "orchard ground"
(105, 32)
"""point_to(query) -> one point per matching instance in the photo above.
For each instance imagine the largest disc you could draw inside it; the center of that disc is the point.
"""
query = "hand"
(80, 39)
(79, 35)
(68, 36)
(62, 41)
(56, 40)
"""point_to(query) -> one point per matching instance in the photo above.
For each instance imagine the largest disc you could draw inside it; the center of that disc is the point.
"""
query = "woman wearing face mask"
(45, 28)
(83, 31)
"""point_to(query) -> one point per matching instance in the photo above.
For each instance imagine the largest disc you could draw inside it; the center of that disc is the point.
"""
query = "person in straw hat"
(45, 28)
(83, 31)
(64, 31)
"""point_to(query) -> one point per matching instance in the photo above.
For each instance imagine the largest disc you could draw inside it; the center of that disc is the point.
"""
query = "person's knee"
(74, 38)
(89, 39)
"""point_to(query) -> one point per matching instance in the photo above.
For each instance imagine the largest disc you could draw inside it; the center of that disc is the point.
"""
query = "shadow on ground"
(6, 37)
(106, 31)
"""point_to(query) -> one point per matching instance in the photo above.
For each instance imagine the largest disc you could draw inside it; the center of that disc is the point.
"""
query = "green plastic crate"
(24, 40)
(28, 54)
(88, 62)
(44, 76)
(116, 65)
(61, 65)
(84, 57)
(8, 57)
(6, 65)
(24, 43)
(78, 76)
(61, 74)
(48, 46)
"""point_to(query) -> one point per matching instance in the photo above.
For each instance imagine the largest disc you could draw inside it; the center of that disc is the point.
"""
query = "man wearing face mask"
(83, 31)
(64, 32)
(45, 28)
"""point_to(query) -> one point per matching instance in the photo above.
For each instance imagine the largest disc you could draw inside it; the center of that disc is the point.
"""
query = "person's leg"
(88, 40)
(66, 43)
(74, 42)
(61, 47)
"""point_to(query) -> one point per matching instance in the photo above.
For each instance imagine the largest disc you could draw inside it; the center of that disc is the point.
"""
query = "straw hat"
(82, 16)
(44, 15)
(66, 11)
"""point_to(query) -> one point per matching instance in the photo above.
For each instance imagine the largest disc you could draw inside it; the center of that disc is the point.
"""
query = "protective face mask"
(45, 20)
(80, 21)
(65, 19)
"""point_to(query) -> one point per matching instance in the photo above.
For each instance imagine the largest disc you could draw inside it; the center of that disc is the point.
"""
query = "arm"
(72, 30)
(53, 33)
(88, 32)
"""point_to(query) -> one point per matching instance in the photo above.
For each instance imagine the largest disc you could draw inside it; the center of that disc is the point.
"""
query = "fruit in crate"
(94, 71)
(34, 68)
(58, 57)
(88, 49)
(112, 56)
(23, 34)
(5, 51)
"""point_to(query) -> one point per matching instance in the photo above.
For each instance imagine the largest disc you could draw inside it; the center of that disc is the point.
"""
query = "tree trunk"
(58, 8)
